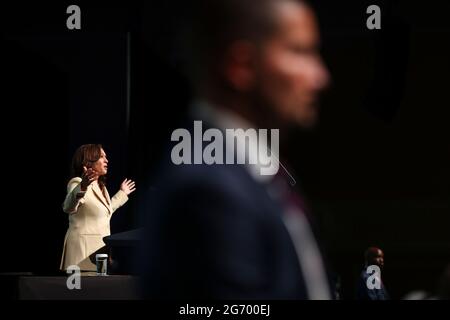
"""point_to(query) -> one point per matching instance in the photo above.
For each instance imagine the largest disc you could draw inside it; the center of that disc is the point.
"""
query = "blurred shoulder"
(73, 183)
(74, 180)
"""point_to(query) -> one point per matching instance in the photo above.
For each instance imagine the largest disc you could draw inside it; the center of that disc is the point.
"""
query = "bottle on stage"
(102, 264)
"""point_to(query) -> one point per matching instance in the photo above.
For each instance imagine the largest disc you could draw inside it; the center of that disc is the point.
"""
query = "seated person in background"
(371, 286)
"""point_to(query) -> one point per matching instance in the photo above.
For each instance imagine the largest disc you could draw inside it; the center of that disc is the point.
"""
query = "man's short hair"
(215, 24)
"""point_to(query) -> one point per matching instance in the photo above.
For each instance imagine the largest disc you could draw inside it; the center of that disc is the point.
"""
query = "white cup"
(101, 261)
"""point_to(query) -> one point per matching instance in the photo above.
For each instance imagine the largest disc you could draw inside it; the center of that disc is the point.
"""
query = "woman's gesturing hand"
(89, 176)
(128, 186)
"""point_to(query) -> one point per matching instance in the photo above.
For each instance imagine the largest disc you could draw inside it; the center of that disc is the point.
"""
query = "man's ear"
(239, 65)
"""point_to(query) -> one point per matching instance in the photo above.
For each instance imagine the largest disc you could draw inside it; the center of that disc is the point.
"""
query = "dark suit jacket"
(214, 232)
(364, 293)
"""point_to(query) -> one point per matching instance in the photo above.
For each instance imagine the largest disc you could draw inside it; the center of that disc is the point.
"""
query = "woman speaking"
(89, 206)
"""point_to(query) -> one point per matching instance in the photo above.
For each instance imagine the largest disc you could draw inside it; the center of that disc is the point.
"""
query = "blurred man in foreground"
(223, 230)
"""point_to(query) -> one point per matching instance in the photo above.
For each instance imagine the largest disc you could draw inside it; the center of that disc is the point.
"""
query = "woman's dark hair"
(85, 156)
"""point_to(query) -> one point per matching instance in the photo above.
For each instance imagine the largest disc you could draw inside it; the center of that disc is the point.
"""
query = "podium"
(122, 248)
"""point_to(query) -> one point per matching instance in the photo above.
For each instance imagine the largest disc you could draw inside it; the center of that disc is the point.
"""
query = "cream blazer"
(89, 216)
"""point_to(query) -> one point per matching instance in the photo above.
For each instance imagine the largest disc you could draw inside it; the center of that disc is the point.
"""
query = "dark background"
(376, 169)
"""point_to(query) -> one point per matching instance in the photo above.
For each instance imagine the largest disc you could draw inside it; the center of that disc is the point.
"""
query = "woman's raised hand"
(89, 176)
(128, 186)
